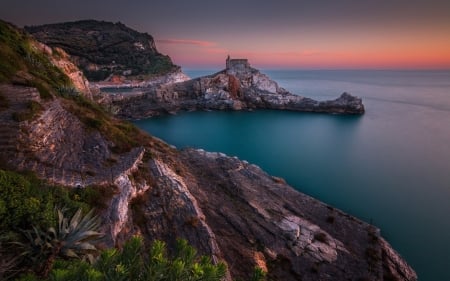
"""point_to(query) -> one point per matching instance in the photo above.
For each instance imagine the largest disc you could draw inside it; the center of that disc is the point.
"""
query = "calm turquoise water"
(390, 166)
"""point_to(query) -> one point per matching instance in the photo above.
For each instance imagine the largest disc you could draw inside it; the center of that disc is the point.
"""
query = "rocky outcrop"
(242, 88)
(258, 219)
(118, 83)
(101, 49)
(64, 62)
(228, 209)
(45, 144)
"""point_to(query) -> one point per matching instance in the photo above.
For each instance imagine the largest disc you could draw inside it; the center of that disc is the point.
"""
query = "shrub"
(26, 200)
(19, 206)
(68, 238)
(19, 52)
(133, 262)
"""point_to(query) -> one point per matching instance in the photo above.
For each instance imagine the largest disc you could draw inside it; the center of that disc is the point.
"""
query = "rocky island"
(237, 87)
(229, 209)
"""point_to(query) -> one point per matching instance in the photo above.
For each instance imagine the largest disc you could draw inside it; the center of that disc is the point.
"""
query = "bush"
(133, 262)
(71, 238)
(18, 52)
(25, 201)
(19, 206)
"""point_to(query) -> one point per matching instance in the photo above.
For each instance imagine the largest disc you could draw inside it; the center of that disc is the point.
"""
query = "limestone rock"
(239, 87)
(228, 209)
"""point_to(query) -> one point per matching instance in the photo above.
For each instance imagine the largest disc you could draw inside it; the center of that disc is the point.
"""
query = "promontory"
(56, 137)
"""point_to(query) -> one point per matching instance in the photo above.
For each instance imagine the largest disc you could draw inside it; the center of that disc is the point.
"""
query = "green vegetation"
(121, 50)
(26, 200)
(11, 48)
(123, 134)
(159, 65)
(74, 238)
(133, 262)
(25, 64)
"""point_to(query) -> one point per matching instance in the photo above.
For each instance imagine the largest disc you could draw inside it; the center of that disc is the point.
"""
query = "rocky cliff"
(104, 49)
(227, 208)
(235, 88)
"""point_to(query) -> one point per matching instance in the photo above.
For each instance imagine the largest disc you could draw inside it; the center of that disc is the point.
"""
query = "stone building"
(237, 64)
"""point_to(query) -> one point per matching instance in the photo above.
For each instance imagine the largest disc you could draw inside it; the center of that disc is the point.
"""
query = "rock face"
(234, 211)
(120, 83)
(293, 235)
(102, 49)
(227, 208)
(239, 87)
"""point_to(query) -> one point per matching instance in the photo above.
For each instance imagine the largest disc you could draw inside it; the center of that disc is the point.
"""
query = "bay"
(390, 166)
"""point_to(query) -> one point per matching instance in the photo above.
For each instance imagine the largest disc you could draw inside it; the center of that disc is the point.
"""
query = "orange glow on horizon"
(341, 60)
(368, 54)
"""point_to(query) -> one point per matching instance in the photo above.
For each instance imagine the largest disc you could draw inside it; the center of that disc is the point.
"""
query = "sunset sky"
(320, 34)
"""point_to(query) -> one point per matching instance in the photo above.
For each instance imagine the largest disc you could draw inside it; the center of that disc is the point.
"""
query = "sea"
(389, 167)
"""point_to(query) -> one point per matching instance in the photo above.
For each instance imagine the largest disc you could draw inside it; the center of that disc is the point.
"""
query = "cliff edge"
(227, 208)
(105, 50)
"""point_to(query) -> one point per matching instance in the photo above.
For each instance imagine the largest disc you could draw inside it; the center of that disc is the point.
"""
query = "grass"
(123, 135)
(20, 52)
(24, 63)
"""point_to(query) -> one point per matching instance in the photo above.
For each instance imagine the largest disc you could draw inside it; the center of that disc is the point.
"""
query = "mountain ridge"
(101, 49)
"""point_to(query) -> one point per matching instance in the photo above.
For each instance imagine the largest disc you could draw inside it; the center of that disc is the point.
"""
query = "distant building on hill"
(237, 64)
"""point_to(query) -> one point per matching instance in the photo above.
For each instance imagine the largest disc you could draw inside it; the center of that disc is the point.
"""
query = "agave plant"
(76, 237)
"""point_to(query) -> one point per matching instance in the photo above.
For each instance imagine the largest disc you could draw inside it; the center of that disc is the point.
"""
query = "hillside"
(102, 48)
(229, 209)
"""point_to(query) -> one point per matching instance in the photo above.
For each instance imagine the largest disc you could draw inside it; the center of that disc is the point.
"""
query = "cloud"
(204, 44)
(217, 51)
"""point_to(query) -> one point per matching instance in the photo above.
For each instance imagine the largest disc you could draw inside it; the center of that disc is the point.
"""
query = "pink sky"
(390, 50)
(272, 34)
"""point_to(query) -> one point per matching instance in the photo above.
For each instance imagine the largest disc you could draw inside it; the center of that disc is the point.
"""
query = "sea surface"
(390, 166)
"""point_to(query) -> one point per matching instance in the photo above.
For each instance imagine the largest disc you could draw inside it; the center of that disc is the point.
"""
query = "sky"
(295, 34)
